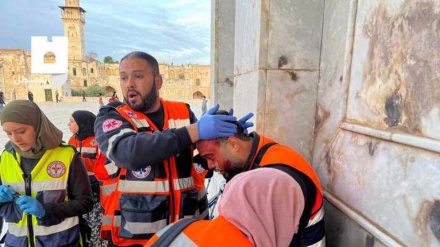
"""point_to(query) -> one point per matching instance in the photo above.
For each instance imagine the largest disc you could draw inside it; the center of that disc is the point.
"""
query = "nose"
(14, 138)
(130, 82)
(211, 164)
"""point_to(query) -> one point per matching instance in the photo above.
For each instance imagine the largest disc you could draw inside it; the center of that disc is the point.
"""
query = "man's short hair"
(240, 130)
(145, 56)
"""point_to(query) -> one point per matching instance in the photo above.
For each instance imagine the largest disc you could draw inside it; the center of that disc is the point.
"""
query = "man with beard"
(240, 153)
(148, 174)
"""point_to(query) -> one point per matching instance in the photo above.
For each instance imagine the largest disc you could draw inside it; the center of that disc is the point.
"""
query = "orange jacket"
(88, 148)
(282, 155)
(152, 197)
(207, 233)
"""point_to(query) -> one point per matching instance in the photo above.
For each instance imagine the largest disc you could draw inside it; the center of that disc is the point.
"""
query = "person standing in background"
(204, 105)
(56, 97)
(31, 96)
(100, 100)
(84, 96)
(83, 139)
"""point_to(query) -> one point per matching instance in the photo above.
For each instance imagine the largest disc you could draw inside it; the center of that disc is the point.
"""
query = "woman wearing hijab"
(250, 214)
(44, 185)
(83, 139)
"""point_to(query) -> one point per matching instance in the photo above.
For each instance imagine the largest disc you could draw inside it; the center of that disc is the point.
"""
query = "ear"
(234, 143)
(159, 81)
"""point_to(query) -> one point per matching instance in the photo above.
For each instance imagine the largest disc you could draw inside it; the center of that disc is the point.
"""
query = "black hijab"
(85, 121)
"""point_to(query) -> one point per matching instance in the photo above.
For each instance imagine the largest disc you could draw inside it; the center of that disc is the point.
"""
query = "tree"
(94, 90)
(108, 59)
(90, 56)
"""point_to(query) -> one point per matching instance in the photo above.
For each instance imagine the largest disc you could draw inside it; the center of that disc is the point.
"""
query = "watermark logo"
(40, 47)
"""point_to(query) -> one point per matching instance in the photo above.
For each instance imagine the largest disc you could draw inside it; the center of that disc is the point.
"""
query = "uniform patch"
(143, 172)
(93, 142)
(199, 168)
(111, 124)
(131, 114)
(56, 169)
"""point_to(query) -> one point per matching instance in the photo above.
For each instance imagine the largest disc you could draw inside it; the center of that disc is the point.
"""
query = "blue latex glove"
(244, 121)
(30, 205)
(6, 194)
(213, 126)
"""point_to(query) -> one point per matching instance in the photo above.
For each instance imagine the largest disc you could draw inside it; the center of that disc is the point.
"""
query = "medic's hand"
(213, 126)
(6, 194)
(243, 121)
(30, 205)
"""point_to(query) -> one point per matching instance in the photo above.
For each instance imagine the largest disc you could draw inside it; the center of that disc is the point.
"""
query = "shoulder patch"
(111, 124)
(142, 173)
(199, 168)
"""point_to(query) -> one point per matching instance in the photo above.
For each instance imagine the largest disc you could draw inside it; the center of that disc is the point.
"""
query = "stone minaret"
(73, 18)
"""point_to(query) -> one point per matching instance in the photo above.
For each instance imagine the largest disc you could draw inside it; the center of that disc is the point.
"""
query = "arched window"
(74, 71)
(85, 83)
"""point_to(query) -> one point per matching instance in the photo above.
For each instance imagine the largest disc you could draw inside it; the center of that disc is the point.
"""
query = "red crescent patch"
(56, 169)
(143, 172)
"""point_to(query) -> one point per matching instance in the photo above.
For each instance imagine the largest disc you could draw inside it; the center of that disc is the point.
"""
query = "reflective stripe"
(108, 189)
(49, 185)
(202, 194)
(183, 240)
(139, 123)
(90, 173)
(17, 186)
(15, 230)
(114, 137)
(106, 220)
(202, 215)
(111, 168)
(141, 228)
(63, 226)
(144, 186)
(183, 183)
(86, 150)
(177, 123)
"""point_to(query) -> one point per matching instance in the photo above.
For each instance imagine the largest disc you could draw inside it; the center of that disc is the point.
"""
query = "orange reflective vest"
(207, 233)
(88, 148)
(283, 155)
(139, 203)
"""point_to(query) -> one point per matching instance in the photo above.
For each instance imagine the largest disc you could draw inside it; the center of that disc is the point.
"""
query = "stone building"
(183, 82)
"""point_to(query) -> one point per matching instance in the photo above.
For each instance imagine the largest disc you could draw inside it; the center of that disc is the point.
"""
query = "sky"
(174, 31)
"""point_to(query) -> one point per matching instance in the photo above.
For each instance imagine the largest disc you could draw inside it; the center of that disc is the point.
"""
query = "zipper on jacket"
(170, 180)
(27, 186)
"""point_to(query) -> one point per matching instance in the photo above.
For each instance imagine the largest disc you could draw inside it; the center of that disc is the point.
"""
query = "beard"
(232, 169)
(147, 101)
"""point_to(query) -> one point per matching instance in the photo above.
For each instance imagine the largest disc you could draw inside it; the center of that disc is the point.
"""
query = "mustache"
(132, 91)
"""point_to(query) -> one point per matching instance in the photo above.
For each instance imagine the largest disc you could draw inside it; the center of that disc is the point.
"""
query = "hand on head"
(212, 126)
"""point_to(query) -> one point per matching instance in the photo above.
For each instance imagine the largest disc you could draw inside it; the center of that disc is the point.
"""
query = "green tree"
(108, 59)
(94, 90)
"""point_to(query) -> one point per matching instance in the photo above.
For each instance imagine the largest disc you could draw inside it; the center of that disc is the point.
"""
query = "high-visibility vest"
(88, 148)
(48, 180)
(144, 201)
(206, 233)
(282, 155)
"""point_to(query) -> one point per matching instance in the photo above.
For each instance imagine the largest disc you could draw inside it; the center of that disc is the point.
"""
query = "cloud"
(175, 31)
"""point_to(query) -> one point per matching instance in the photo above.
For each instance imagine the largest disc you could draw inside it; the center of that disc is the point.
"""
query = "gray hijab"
(47, 136)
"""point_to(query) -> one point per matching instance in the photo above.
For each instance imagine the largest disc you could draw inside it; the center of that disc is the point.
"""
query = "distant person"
(100, 100)
(84, 96)
(44, 187)
(204, 105)
(56, 96)
(31, 96)
(2, 101)
(113, 98)
(250, 214)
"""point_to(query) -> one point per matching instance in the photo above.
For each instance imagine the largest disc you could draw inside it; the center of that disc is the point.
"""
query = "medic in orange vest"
(249, 215)
(81, 125)
(148, 148)
(241, 153)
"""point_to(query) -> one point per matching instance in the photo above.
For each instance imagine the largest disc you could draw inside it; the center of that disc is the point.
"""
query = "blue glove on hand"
(6, 194)
(213, 126)
(30, 205)
(243, 121)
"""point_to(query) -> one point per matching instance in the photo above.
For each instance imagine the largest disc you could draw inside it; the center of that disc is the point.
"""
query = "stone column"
(222, 53)
(276, 67)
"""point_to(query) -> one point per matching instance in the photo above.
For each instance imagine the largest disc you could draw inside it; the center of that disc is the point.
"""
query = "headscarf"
(47, 136)
(265, 204)
(85, 121)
